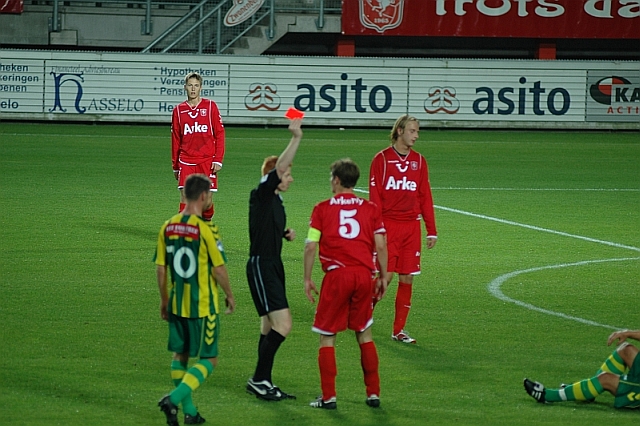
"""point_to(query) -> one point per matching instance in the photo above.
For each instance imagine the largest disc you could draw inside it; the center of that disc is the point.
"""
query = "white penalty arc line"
(494, 286)
(494, 289)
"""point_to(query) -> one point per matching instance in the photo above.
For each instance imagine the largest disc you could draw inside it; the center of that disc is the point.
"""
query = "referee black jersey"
(267, 219)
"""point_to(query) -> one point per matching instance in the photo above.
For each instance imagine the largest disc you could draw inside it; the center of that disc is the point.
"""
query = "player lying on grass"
(619, 375)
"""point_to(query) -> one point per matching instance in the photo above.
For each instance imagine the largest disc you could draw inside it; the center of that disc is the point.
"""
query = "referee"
(265, 271)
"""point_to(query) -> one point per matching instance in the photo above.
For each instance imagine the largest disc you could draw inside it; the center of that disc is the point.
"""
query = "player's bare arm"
(161, 274)
(621, 336)
(381, 250)
(310, 288)
(286, 158)
(222, 278)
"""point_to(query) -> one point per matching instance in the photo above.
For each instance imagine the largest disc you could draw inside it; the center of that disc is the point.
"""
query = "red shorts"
(404, 242)
(346, 301)
(205, 168)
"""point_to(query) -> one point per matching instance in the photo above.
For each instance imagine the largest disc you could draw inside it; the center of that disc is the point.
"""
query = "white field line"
(540, 189)
(62, 135)
(494, 286)
(537, 228)
(494, 289)
(450, 188)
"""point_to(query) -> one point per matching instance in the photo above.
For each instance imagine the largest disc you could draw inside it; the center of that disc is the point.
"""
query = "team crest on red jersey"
(203, 112)
(414, 165)
(381, 15)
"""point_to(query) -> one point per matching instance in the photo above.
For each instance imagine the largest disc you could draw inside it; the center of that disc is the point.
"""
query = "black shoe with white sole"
(535, 390)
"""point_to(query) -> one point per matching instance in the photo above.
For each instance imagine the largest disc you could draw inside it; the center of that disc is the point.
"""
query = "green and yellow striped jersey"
(190, 248)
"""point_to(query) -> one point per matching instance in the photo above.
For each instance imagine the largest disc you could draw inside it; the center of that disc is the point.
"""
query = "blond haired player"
(399, 185)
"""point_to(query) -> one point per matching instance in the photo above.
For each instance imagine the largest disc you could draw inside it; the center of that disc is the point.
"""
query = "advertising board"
(546, 19)
(331, 91)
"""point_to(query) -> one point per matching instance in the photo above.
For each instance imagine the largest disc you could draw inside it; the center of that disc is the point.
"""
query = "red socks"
(403, 305)
(328, 371)
(369, 361)
(182, 205)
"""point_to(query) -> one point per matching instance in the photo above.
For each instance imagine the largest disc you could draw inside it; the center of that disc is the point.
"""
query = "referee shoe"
(267, 391)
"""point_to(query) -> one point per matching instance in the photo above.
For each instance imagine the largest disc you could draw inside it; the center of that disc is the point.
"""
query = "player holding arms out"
(190, 267)
(197, 139)
(349, 231)
(619, 375)
(399, 186)
(265, 271)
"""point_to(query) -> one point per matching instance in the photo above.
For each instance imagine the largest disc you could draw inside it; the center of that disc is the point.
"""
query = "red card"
(293, 113)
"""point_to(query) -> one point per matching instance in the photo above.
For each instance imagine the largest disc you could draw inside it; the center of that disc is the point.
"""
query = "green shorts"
(196, 336)
(628, 395)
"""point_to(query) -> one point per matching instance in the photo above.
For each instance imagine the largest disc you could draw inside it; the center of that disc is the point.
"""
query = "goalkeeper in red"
(399, 185)
(197, 139)
(349, 231)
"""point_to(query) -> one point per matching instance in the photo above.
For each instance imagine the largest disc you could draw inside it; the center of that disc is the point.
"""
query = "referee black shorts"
(266, 282)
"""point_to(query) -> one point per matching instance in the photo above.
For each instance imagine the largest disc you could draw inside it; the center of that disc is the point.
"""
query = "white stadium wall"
(133, 87)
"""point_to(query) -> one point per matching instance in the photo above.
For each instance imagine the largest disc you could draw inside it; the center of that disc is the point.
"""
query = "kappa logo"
(614, 89)
(262, 95)
(441, 99)
(381, 15)
(196, 128)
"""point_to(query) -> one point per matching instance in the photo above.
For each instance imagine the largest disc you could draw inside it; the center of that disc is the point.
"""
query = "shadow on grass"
(126, 230)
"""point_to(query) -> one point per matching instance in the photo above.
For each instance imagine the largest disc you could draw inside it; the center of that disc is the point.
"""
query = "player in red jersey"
(399, 185)
(197, 138)
(349, 231)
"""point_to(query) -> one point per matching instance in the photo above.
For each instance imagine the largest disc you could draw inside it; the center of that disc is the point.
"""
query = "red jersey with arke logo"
(346, 217)
(400, 186)
(197, 134)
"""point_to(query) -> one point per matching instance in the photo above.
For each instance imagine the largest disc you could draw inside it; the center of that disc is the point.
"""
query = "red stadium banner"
(587, 19)
(11, 6)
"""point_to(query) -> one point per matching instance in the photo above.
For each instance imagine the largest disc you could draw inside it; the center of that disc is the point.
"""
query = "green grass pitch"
(548, 221)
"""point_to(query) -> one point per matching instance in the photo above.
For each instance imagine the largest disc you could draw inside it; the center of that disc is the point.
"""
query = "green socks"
(580, 391)
(614, 364)
(188, 381)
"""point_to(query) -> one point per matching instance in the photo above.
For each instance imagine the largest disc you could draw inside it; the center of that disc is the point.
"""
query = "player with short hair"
(349, 231)
(191, 251)
(197, 138)
(399, 185)
(265, 271)
(619, 375)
